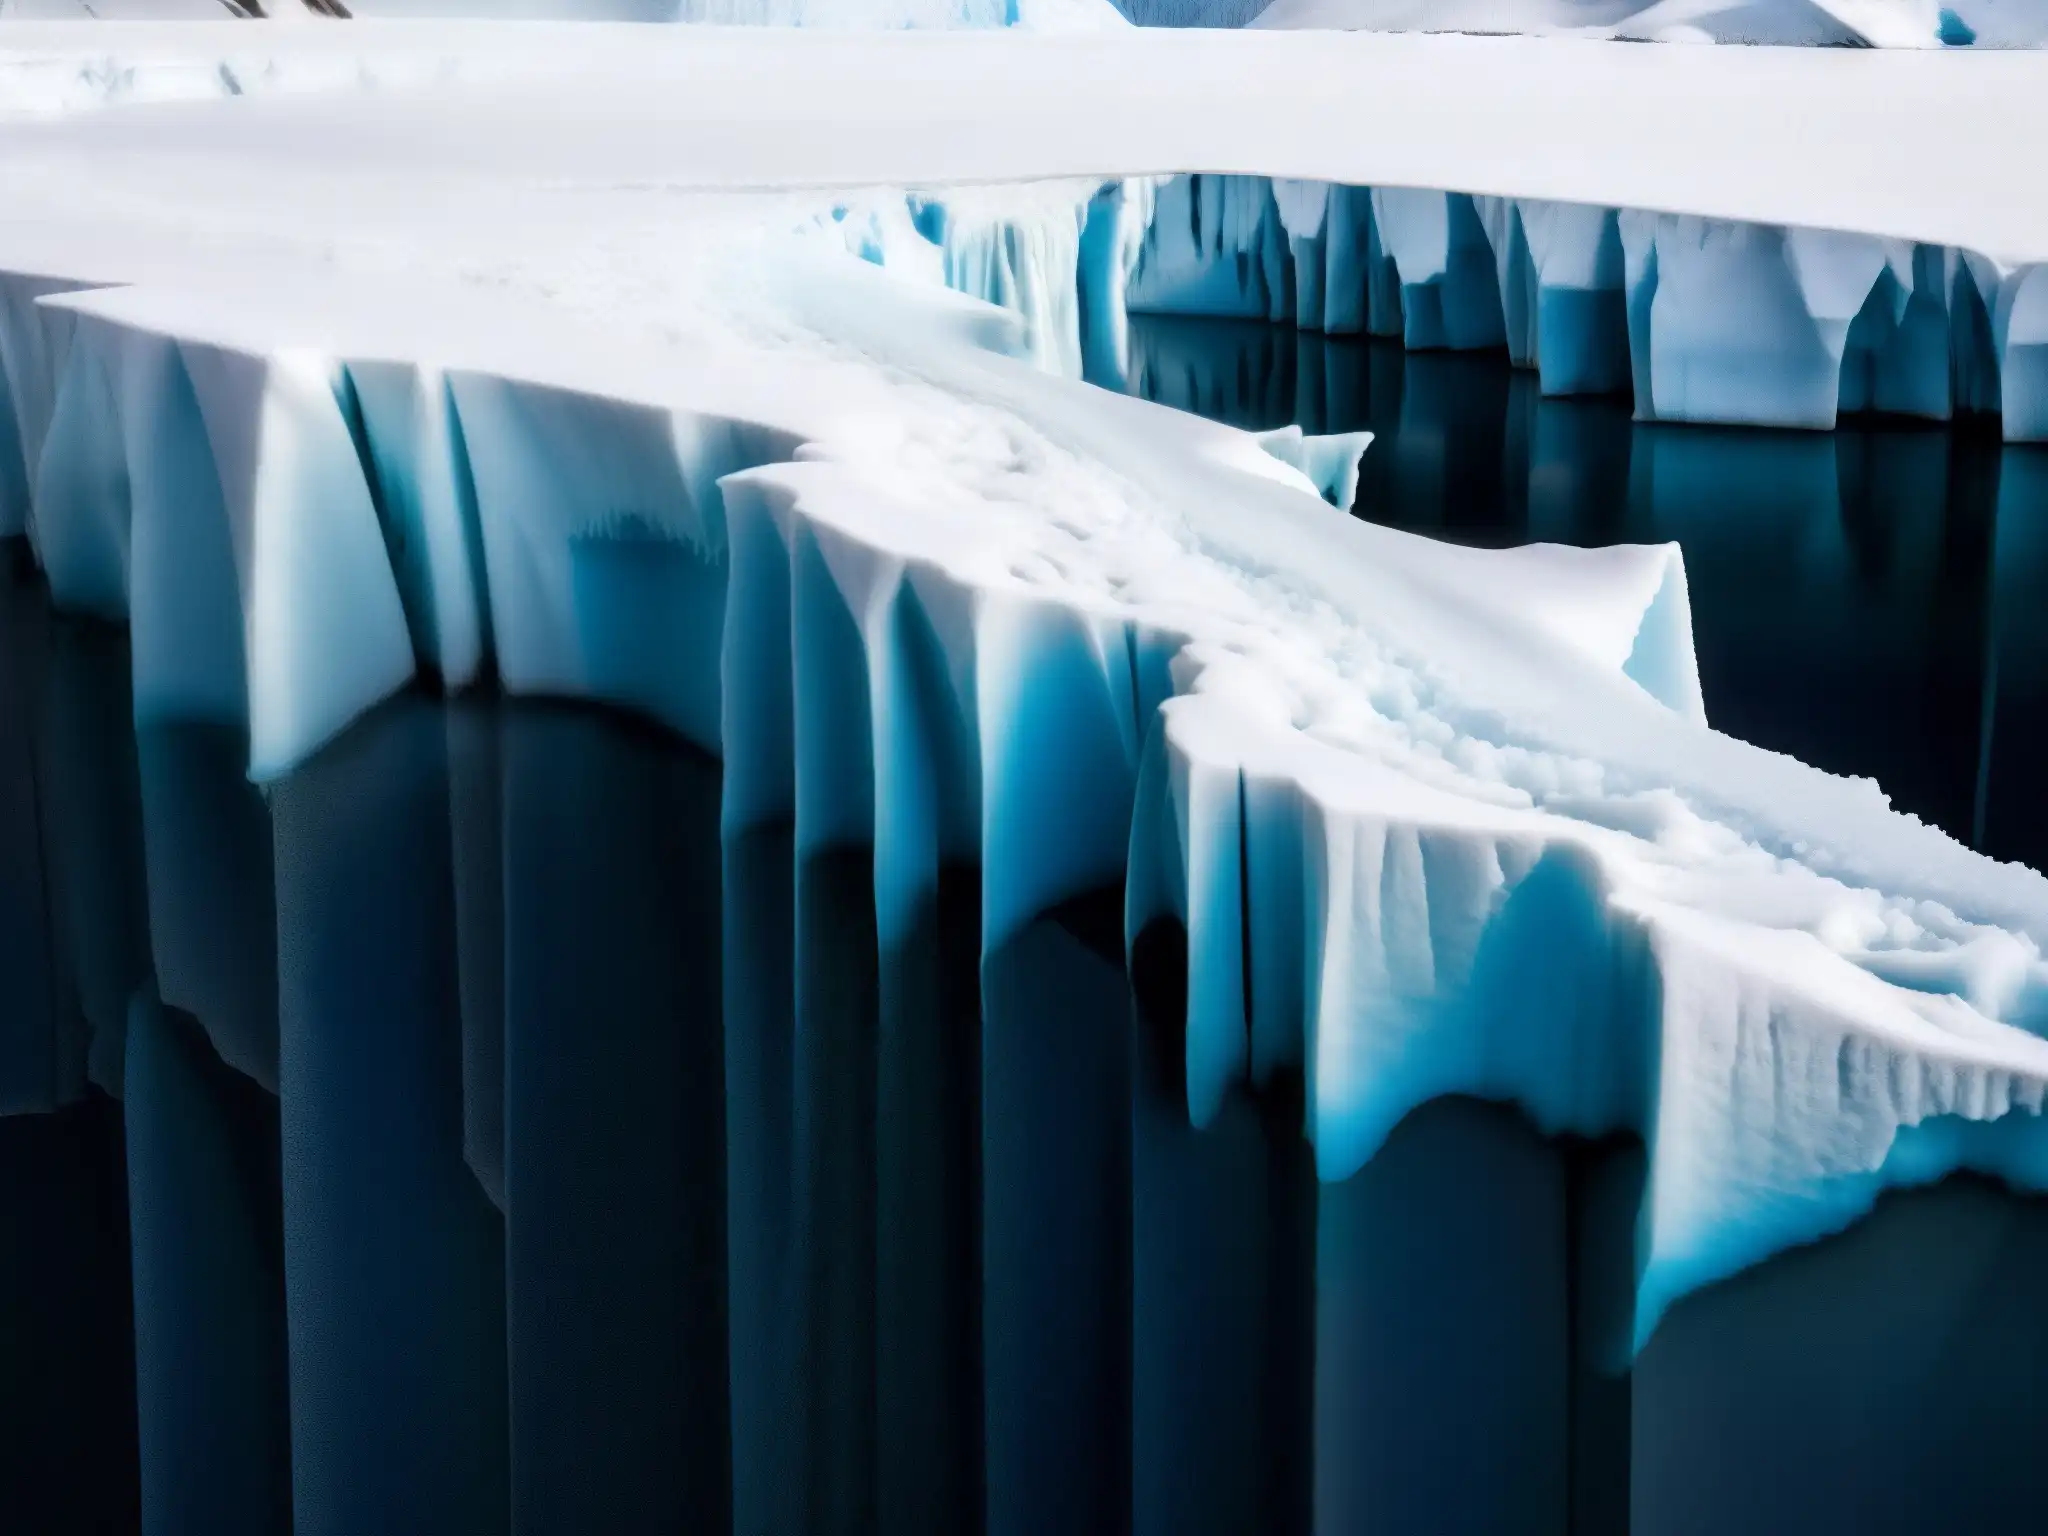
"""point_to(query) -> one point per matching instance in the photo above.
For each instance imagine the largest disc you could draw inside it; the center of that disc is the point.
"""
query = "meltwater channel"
(457, 1136)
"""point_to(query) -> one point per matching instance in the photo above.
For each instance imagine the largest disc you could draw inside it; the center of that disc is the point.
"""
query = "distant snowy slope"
(1804, 23)
(1825, 23)
(846, 15)
(1793, 22)
(2005, 23)
(1030, 15)
(118, 10)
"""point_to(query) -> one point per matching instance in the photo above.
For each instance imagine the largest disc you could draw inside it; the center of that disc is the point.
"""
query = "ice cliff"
(1705, 320)
(1433, 820)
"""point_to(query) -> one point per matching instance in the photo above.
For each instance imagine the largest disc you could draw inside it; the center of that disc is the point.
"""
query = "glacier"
(320, 400)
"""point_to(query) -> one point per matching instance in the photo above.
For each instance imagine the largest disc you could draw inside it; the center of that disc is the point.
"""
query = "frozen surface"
(1715, 257)
(1704, 259)
(519, 362)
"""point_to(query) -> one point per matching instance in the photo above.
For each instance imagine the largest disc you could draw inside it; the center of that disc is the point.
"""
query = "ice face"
(805, 477)
(1707, 320)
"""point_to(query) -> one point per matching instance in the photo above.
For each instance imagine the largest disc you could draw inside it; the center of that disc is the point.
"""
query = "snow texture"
(317, 401)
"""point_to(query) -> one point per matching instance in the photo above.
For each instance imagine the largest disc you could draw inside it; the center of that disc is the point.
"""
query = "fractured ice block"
(1434, 820)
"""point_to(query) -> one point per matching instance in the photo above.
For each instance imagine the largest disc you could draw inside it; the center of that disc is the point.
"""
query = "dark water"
(458, 1137)
(1867, 600)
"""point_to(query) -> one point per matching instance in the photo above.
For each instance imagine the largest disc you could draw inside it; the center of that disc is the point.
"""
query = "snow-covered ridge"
(1435, 820)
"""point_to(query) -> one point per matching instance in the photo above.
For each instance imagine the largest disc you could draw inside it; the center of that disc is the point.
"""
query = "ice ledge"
(1435, 820)
(1519, 868)
(1704, 320)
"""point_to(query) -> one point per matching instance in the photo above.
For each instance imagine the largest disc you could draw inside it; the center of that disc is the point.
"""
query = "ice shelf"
(1919, 293)
(315, 417)
(1704, 320)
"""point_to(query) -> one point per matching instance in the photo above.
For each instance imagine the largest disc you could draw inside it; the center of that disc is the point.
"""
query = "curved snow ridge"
(1435, 820)
(1707, 320)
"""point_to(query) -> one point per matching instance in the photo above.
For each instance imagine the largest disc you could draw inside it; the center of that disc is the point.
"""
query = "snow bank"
(1435, 820)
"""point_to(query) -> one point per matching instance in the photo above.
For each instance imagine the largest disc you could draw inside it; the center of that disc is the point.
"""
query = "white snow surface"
(1876, 141)
(463, 345)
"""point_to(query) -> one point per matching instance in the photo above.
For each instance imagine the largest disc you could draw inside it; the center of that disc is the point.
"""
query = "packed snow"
(467, 349)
